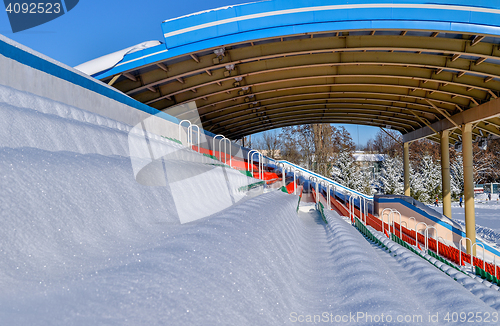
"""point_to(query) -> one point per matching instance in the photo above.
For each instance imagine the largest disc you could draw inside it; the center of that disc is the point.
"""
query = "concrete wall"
(26, 70)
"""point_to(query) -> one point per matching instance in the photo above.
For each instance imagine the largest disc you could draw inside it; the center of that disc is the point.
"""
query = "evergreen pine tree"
(430, 174)
(348, 174)
(391, 176)
(457, 176)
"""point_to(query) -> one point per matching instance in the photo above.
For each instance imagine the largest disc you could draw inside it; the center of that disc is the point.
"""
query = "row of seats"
(321, 208)
(450, 254)
(364, 230)
(487, 276)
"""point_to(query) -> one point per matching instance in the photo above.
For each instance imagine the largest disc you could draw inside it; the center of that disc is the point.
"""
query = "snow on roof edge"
(210, 10)
(108, 61)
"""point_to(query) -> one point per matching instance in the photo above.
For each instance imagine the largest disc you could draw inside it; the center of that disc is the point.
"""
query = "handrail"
(444, 241)
(187, 134)
(365, 201)
(283, 172)
(388, 217)
(220, 149)
(414, 221)
(323, 183)
(361, 210)
(351, 212)
(329, 204)
(392, 220)
(190, 136)
(472, 251)
(261, 166)
(416, 232)
(460, 249)
(213, 145)
(495, 263)
(311, 178)
(326, 179)
(250, 159)
(295, 181)
(225, 150)
(427, 236)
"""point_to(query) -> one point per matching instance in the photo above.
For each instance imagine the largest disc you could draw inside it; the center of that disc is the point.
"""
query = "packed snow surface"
(83, 243)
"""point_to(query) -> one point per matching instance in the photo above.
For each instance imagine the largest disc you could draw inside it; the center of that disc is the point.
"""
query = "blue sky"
(96, 28)
(360, 134)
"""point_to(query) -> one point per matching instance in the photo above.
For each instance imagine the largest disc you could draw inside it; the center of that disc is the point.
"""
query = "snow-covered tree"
(426, 180)
(348, 174)
(367, 186)
(457, 176)
(417, 188)
(432, 175)
(391, 176)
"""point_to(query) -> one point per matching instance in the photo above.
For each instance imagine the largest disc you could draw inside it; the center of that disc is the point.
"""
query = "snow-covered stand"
(402, 217)
(66, 137)
(452, 239)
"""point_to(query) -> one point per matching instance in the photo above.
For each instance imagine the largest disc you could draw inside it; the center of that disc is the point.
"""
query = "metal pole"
(445, 173)
(470, 218)
(406, 168)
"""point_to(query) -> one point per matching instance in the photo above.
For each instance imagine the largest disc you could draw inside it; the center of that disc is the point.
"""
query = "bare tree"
(342, 140)
(289, 148)
(270, 143)
(385, 144)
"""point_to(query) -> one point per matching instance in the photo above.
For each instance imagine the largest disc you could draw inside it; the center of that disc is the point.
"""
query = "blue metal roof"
(269, 19)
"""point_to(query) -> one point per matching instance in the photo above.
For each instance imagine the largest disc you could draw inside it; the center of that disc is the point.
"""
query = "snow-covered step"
(483, 290)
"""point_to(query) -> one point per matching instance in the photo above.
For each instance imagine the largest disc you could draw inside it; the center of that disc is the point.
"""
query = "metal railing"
(190, 137)
(472, 253)
(283, 173)
(250, 156)
(225, 140)
(213, 145)
(416, 232)
(189, 134)
(427, 236)
(328, 200)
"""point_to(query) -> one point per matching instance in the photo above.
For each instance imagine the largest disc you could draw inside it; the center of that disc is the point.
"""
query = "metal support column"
(445, 173)
(406, 168)
(470, 217)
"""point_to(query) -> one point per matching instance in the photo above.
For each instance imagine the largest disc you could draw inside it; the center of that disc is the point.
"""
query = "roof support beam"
(444, 113)
(477, 39)
(251, 55)
(162, 67)
(130, 76)
(394, 138)
(424, 122)
(113, 80)
(479, 113)
(479, 61)
(195, 58)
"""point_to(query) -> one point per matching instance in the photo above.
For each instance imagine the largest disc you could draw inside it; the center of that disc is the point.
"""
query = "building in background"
(371, 162)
